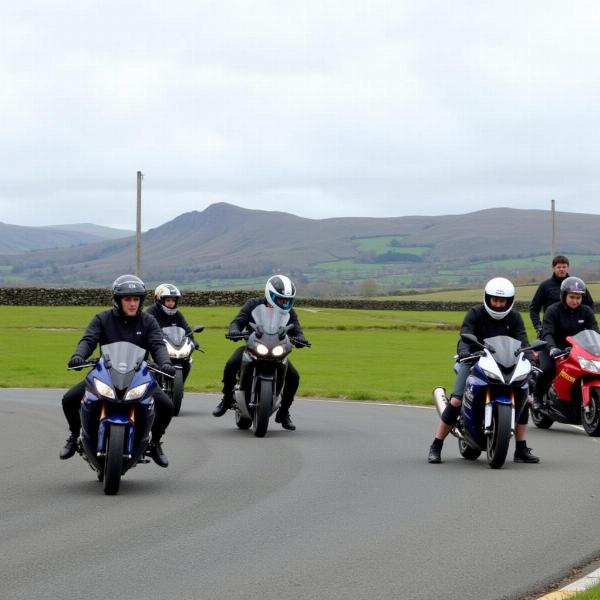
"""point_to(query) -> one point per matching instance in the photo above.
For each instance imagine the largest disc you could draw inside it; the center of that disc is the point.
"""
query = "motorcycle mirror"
(198, 328)
(469, 337)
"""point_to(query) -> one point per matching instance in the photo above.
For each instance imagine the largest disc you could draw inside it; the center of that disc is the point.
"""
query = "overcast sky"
(319, 108)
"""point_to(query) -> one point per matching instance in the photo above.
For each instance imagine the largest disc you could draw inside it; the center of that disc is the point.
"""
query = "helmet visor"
(281, 301)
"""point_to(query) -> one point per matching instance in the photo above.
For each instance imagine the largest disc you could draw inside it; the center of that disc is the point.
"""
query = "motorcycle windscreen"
(269, 318)
(123, 358)
(589, 340)
(506, 349)
(174, 334)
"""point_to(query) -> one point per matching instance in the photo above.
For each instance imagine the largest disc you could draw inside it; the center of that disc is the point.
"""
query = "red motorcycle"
(574, 395)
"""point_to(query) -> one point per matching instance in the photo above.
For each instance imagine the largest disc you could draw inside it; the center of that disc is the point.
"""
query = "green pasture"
(397, 356)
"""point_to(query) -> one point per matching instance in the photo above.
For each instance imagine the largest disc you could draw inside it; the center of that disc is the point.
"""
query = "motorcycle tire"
(467, 452)
(242, 422)
(177, 392)
(113, 463)
(590, 419)
(262, 410)
(540, 420)
(499, 437)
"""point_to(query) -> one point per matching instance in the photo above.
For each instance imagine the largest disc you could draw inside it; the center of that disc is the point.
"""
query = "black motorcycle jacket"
(547, 294)
(110, 326)
(479, 323)
(165, 320)
(244, 317)
(561, 321)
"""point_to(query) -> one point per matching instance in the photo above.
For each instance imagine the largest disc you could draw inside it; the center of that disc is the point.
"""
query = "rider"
(280, 293)
(125, 322)
(165, 310)
(548, 292)
(562, 319)
(494, 317)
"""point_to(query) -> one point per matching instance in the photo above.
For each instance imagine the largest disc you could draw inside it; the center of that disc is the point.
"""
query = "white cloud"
(320, 109)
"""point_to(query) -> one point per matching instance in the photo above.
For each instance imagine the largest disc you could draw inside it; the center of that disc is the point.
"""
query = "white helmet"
(499, 287)
(280, 292)
(167, 290)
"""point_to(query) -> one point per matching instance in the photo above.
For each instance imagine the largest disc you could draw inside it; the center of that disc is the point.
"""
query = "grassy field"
(398, 356)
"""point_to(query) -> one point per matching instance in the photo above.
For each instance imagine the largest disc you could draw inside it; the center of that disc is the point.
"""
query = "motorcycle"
(117, 412)
(257, 393)
(180, 348)
(574, 394)
(496, 387)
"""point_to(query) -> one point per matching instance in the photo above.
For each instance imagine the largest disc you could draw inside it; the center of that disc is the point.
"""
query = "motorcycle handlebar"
(90, 363)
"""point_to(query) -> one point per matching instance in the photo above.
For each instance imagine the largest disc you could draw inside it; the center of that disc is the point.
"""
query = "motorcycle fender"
(117, 420)
(586, 389)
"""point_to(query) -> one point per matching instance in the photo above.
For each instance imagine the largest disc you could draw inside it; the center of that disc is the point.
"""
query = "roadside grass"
(395, 356)
(591, 594)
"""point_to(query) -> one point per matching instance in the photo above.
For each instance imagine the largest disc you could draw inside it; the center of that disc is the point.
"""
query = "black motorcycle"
(180, 348)
(257, 394)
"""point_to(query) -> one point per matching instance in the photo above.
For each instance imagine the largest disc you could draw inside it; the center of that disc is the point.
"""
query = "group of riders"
(567, 309)
(126, 321)
(564, 301)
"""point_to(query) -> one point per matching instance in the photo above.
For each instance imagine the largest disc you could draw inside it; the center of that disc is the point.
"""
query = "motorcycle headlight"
(170, 348)
(103, 389)
(261, 349)
(137, 392)
(277, 351)
(491, 375)
(589, 365)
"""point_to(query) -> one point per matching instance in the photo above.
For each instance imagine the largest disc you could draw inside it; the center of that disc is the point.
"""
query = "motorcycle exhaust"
(439, 399)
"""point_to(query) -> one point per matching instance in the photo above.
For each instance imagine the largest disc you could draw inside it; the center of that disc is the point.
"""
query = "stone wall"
(102, 297)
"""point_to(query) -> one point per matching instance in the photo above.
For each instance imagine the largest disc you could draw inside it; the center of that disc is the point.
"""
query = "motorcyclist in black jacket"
(280, 293)
(548, 292)
(166, 311)
(562, 319)
(494, 317)
(125, 322)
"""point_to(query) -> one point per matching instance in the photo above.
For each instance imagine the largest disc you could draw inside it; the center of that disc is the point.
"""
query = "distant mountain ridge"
(226, 242)
(17, 239)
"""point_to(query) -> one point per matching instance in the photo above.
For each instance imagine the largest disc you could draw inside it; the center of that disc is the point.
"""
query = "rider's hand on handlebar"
(463, 354)
(75, 361)
(300, 341)
(168, 368)
(554, 352)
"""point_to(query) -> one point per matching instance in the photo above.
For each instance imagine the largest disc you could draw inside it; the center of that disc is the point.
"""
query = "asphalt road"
(346, 507)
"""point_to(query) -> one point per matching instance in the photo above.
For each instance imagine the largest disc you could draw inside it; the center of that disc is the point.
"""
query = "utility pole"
(553, 241)
(138, 226)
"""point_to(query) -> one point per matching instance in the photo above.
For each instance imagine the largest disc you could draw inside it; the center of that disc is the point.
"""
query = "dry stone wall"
(102, 297)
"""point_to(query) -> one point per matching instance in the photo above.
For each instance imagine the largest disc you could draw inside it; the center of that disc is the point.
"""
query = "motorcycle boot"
(156, 453)
(70, 447)
(524, 455)
(283, 416)
(223, 406)
(435, 452)
(536, 403)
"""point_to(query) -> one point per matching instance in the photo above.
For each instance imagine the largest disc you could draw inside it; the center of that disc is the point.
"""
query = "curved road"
(345, 507)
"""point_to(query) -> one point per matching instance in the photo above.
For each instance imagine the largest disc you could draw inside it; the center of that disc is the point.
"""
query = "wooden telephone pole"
(138, 227)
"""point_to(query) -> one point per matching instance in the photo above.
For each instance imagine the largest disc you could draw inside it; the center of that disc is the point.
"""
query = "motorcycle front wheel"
(590, 418)
(499, 437)
(113, 463)
(177, 391)
(540, 420)
(262, 410)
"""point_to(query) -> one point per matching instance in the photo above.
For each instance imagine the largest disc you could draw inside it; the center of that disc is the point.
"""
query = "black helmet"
(571, 285)
(128, 285)
(167, 290)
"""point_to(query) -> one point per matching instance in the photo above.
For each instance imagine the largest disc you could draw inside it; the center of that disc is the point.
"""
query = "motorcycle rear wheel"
(499, 438)
(591, 419)
(540, 420)
(177, 391)
(467, 452)
(262, 410)
(113, 463)
(242, 422)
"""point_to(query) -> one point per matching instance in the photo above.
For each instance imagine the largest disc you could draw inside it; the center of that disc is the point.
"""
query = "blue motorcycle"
(117, 412)
(497, 386)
